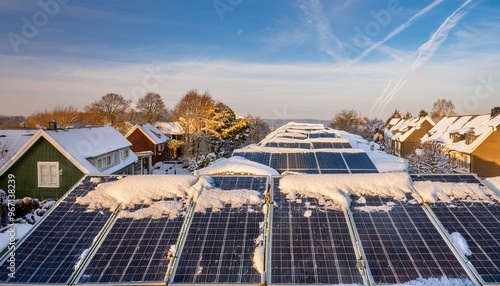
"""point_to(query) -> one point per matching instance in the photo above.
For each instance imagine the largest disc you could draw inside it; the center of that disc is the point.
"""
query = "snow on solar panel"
(310, 244)
(479, 224)
(49, 254)
(400, 242)
(455, 178)
(220, 245)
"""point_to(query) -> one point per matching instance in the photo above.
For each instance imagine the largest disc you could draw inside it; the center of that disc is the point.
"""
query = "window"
(125, 153)
(106, 161)
(48, 174)
(464, 163)
(398, 148)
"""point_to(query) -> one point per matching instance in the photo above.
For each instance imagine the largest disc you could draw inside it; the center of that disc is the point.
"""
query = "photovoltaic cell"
(257, 183)
(279, 161)
(302, 161)
(219, 245)
(134, 250)
(330, 161)
(358, 161)
(402, 244)
(259, 157)
(446, 178)
(49, 254)
(479, 224)
(310, 250)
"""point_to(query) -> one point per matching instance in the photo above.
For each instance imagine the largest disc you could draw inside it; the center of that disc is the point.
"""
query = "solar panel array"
(322, 135)
(331, 145)
(314, 249)
(314, 162)
(375, 241)
(477, 222)
(49, 254)
(219, 245)
(402, 244)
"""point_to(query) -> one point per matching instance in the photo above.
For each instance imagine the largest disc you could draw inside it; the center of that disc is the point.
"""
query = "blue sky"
(276, 59)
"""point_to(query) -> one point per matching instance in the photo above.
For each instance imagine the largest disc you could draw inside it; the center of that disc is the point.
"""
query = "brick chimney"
(52, 125)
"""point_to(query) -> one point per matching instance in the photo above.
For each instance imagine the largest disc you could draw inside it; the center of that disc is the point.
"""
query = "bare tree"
(347, 120)
(442, 108)
(370, 127)
(407, 115)
(428, 158)
(258, 129)
(109, 108)
(152, 107)
(423, 113)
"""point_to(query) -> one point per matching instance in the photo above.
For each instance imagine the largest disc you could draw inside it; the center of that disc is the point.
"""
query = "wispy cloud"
(396, 31)
(328, 41)
(424, 53)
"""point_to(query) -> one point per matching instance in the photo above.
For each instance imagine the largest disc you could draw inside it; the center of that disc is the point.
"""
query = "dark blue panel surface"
(330, 160)
(310, 250)
(358, 161)
(402, 244)
(49, 254)
(479, 224)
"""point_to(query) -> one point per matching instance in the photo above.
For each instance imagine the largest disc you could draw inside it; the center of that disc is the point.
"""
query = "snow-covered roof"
(155, 135)
(482, 131)
(237, 165)
(494, 184)
(170, 128)
(80, 144)
(11, 141)
(405, 127)
(481, 125)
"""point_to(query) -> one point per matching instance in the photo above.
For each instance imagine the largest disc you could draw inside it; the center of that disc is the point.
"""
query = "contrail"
(396, 31)
(425, 52)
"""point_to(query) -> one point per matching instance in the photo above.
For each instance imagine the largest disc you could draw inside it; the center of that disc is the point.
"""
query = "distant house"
(53, 160)
(148, 138)
(11, 141)
(173, 130)
(403, 135)
(473, 140)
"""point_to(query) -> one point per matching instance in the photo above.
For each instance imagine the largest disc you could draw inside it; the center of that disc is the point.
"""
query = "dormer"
(470, 136)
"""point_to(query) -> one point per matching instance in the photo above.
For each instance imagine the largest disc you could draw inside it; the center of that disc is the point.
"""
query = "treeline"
(211, 127)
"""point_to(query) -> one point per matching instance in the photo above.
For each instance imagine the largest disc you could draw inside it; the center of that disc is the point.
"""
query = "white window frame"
(106, 161)
(51, 184)
(125, 153)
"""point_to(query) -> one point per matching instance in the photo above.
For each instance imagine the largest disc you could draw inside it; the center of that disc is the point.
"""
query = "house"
(146, 137)
(403, 135)
(173, 130)
(53, 160)
(11, 141)
(473, 140)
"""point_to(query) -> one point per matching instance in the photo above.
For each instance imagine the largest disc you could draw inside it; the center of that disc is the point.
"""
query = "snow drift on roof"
(157, 210)
(494, 183)
(11, 141)
(334, 190)
(433, 192)
(237, 165)
(141, 189)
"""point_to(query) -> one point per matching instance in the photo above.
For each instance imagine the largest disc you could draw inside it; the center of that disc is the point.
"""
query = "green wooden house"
(53, 160)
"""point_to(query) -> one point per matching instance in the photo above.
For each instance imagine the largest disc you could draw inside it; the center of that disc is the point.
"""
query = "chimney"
(52, 125)
(495, 111)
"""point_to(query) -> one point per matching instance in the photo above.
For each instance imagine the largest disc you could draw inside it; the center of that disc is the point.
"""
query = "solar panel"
(479, 224)
(219, 245)
(257, 183)
(322, 145)
(134, 250)
(346, 145)
(334, 171)
(310, 245)
(450, 178)
(322, 135)
(49, 254)
(302, 161)
(358, 161)
(330, 160)
(279, 161)
(400, 242)
(303, 171)
(259, 157)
